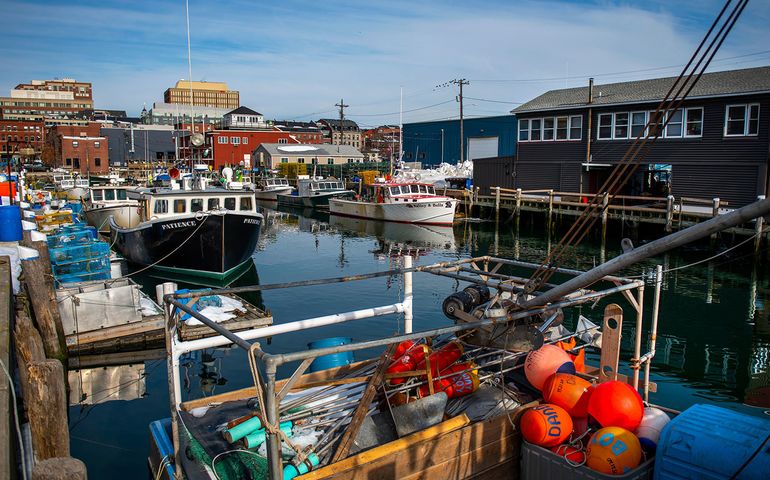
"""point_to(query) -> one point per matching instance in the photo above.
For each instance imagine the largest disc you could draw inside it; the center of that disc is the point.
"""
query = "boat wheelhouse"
(315, 193)
(269, 188)
(207, 233)
(111, 201)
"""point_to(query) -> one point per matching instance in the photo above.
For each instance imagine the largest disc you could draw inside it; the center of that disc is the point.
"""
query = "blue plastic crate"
(82, 266)
(83, 277)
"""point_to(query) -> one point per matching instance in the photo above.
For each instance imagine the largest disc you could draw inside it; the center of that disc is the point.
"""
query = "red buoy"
(442, 358)
(616, 404)
(546, 425)
(544, 362)
(407, 362)
(574, 455)
(569, 392)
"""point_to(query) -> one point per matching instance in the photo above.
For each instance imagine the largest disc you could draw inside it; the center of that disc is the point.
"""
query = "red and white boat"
(399, 202)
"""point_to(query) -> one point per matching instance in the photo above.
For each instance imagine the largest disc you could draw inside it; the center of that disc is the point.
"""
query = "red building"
(24, 138)
(79, 148)
(235, 147)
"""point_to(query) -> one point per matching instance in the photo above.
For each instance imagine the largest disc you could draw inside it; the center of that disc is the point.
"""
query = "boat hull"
(210, 245)
(439, 211)
(125, 216)
(320, 200)
(272, 195)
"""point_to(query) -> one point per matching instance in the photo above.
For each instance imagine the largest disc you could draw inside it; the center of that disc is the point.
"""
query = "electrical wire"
(16, 420)
(405, 111)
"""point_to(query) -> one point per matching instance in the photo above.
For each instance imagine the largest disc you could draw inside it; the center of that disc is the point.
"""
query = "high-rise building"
(57, 102)
(205, 94)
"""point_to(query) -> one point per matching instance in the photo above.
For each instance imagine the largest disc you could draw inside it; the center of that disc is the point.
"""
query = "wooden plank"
(7, 437)
(363, 407)
(470, 462)
(508, 469)
(389, 449)
(611, 332)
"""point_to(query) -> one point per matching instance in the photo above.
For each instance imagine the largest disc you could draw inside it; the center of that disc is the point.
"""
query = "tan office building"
(206, 94)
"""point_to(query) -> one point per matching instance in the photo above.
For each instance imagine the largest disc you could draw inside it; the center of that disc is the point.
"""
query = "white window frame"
(283, 140)
(599, 126)
(570, 127)
(746, 120)
(222, 140)
(681, 124)
(235, 140)
(566, 128)
(615, 125)
(524, 130)
(686, 113)
(539, 130)
(245, 140)
(631, 123)
(551, 129)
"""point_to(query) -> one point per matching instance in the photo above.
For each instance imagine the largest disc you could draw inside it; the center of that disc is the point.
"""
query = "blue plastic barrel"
(333, 360)
(10, 223)
(708, 442)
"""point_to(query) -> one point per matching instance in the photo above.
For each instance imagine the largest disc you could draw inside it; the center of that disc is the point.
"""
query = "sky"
(294, 59)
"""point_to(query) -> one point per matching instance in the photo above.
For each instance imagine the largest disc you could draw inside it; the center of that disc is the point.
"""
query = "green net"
(230, 466)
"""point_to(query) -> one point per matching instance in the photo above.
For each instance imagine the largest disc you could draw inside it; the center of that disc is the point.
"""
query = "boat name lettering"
(255, 221)
(169, 226)
(427, 205)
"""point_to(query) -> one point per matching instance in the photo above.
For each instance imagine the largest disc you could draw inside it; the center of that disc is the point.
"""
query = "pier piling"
(497, 204)
(42, 296)
(46, 402)
(760, 223)
(67, 468)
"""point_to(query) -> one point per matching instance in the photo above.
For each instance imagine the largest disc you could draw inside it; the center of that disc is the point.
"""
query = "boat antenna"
(189, 81)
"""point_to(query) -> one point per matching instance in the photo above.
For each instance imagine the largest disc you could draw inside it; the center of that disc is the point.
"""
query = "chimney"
(591, 90)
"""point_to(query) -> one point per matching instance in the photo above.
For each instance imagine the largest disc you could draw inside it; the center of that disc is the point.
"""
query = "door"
(482, 147)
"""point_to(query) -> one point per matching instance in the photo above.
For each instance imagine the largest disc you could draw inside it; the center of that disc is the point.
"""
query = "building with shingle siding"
(716, 145)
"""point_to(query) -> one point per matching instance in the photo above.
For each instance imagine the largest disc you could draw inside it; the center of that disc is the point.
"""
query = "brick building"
(304, 132)
(19, 137)
(205, 94)
(381, 143)
(345, 132)
(56, 101)
(231, 147)
(79, 148)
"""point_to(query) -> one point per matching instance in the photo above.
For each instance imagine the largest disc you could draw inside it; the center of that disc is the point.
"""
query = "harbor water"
(713, 335)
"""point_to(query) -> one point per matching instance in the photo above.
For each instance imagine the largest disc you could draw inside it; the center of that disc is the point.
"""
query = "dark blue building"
(439, 141)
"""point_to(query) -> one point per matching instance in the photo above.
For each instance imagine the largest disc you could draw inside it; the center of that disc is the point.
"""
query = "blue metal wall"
(423, 141)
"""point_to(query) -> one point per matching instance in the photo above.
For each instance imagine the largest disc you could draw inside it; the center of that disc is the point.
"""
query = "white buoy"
(653, 422)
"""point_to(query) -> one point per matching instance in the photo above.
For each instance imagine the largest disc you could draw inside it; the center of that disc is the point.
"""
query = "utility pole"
(461, 82)
(342, 116)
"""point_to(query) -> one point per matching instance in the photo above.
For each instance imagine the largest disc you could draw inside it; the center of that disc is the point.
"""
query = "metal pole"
(664, 244)
(408, 295)
(653, 330)
(635, 362)
(273, 439)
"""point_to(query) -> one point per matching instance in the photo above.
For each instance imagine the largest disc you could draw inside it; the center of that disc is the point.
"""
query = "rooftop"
(730, 82)
(322, 150)
(243, 111)
(212, 86)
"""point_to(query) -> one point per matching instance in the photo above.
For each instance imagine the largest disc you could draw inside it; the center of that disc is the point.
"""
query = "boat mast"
(400, 131)
(189, 81)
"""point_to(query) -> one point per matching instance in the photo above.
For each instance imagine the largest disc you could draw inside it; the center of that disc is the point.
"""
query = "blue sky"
(295, 59)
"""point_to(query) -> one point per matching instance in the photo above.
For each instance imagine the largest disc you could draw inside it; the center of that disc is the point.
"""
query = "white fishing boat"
(268, 189)
(315, 193)
(111, 201)
(399, 202)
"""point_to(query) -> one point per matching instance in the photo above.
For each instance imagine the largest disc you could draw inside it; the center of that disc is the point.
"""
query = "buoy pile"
(605, 427)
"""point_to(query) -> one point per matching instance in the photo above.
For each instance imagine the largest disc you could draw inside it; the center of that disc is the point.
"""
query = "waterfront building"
(434, 142)
(58, 102)
(381, 144)
(271, 155)
(344, 132)
(303, 132)
(140, 143)
(174, 114)
(715, 145)
(79, 148)
(21, 139)
(205, 94)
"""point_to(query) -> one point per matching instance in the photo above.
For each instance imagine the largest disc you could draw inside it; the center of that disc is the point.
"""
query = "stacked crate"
(77, 255)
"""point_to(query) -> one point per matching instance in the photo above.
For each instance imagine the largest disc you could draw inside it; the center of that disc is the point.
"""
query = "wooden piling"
(550, 209)
(714, 213)
(760, 221)
(497, 204)
(605, 209)
(669, 213)
(29, 346)
(39, 281)
(66, 468)
(46, 403)
(8, 460)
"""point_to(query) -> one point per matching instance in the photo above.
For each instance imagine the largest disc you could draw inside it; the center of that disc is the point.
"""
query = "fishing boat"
(399, 202)
(204, 232)
(111, 201)
(315, 193)
(268, 189)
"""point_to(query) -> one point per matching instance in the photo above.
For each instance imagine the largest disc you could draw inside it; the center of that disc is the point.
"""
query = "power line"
(396, 113)
(494, 101)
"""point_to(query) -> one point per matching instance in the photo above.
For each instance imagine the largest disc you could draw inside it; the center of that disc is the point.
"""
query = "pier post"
(66, 468)
(605, 208)
(47, 407)
(760, 221)
(497, 204)
(408, 316)
(550, 209)
(714, 213)
(39, 281)
(518, 208)
(669, 213)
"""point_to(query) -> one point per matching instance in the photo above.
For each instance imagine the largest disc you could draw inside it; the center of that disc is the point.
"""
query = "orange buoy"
(546, 425)
(402, 348)
(574, 455)
(616, 404)
(442, 358)
(569, 392)
(454, 386)
(613, 450)
(407, 362)
(544, 362)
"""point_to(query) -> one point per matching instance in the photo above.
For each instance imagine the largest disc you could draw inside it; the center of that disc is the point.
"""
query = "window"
(246, 204)
(561, 128)
(523, 130)
(742, 120)
(638, 122)
(180, 206)
(314, 161)
(213, 204)
(415, 188)
(605, 127)
(656, 124)
(121, 194)
(97, 195)
(330, 161)
(674, 126)
(96, 144)
(576, 127)
(283, 140)
(68, 161)
(221, 140)
(196, 205)
(694, 125)
(109, 194)
(74, 144)
(534, 132)
(161, 206)
(76, 162)
(300, 160)
(230, 203)
(394, 190)
(235, 140)
(98, 162)
(350, 160)
(284, 160)
(245, 140)
(548, 127)
(621, 126)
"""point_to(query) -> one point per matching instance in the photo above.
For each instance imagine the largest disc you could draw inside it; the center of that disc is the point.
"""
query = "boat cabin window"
(161, 206)
(196, 205)
(415, 188)
(109, 194)
(230, 203)
(213, 204)
(423, 189)
(246, 204)
(120, 194)
(394, 190)
(404, 188)
(96, 195)
(180, 206)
